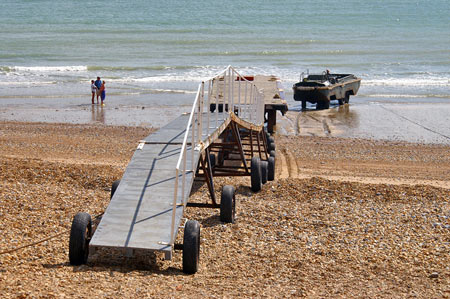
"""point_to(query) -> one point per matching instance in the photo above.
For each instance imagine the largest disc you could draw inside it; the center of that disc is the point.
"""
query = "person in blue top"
(98, 83)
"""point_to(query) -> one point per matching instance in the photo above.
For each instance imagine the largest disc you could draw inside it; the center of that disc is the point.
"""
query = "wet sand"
(155, 110)
(412, 120)
(344, 218)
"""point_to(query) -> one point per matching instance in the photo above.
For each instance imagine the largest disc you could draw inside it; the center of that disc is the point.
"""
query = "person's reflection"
(98, 114)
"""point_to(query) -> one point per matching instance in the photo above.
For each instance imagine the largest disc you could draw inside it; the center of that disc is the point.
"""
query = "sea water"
(161, 50)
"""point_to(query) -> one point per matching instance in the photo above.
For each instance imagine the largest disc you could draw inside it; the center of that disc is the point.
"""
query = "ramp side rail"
(222, 87)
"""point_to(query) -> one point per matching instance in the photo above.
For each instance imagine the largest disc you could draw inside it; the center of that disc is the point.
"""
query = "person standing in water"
(103, 92)
(93, 90)
(98, 83)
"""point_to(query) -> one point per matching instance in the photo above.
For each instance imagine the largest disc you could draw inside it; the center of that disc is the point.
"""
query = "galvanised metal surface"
(139, 215)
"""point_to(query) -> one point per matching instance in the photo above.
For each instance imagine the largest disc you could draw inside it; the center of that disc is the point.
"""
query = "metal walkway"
(148, 205)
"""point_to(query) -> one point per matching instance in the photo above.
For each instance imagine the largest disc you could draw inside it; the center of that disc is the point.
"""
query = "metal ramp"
(139, 215)
(146, 209)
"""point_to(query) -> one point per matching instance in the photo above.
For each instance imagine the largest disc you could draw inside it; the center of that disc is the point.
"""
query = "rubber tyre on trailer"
(212, 159)
(228, 204)
(114, 186)
(271, 168)
(256, 174)
(191, 247)
(264, 171)
(270, 140)
(271, 147)
(341, 102)
(272, 153)
(80, 235)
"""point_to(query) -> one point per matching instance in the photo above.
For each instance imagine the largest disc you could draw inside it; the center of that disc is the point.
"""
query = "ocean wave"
(138, 68)
(418, 96)
(26, 83)
(44, 69)
(412, 82)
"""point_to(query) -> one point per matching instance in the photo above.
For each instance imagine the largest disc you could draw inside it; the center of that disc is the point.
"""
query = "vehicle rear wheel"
(256, 174)
(191, 247)
(347, 98)
(228, 204)
(80, 235)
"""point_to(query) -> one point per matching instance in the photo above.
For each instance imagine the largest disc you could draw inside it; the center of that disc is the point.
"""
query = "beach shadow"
(112, 261)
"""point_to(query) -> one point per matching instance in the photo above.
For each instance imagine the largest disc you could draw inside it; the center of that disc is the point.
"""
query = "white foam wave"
(408, 82)
(26, 83)
(45, 69)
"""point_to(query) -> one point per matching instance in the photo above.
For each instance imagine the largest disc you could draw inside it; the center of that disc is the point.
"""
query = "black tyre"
(270, 140)
(80, 235)
(271, 147)
(256, 174)
(191, 247)
(264, 171)
(272, 153)
(326, 105)
(303, 105)
(212, 107)
(341, 102)
(228, 204)
(212, 159)
(271, 169)
(114, 188)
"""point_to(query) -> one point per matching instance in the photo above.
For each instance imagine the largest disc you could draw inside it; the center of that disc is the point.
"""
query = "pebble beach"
(343, 218)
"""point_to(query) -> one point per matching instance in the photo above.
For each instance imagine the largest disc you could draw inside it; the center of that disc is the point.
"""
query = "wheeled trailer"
(147, 205)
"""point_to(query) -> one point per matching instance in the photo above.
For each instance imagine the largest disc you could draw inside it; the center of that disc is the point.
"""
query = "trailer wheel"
(80, 235)
(264, 171)
(341, 102)
(212, 159)
(270, 140)
(191, 246)
(271, 169)
(114, 186)
(271, 147)
(228, 204)
(272, 153)
(256, 174)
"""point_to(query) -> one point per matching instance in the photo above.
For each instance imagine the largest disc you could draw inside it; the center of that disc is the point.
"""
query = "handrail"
(250, 109)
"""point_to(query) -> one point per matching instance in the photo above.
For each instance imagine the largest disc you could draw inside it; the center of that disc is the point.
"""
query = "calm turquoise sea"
(401, 48)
